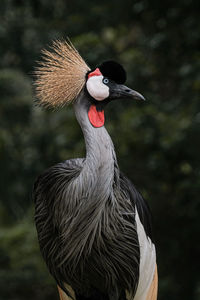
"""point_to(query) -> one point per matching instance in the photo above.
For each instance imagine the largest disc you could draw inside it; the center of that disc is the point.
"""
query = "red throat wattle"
(96, 118)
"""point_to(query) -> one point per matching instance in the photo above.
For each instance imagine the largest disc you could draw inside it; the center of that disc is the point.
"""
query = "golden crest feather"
(61, 75)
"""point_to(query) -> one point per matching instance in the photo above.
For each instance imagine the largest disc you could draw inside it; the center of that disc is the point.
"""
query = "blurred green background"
(157, 142)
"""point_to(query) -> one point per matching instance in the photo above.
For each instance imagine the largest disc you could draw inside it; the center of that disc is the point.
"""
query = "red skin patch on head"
(96, 118)
(95, 73)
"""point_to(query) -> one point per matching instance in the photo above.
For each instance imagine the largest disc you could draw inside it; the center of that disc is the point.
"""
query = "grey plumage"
(85, 219)
(85, 214)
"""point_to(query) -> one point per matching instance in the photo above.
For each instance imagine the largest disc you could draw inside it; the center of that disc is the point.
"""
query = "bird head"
(106, 82)
(63, 74)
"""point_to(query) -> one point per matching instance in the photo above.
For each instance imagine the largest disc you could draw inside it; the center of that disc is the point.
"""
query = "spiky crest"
(61, 75)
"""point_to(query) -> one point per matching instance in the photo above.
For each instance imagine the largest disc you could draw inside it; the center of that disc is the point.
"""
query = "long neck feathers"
(98, 172)
(87, 205)
(106, 209)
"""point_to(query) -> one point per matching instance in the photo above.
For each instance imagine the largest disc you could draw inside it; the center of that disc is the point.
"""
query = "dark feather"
(113, 260)
(113, 71)
(142, 206)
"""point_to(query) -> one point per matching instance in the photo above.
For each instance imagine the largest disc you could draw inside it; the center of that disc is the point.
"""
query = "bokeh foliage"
(157, 142)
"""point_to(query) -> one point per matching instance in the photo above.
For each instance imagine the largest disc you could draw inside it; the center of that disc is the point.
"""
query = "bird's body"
(94, 228)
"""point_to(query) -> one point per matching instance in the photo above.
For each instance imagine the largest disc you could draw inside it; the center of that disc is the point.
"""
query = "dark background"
(157, 142)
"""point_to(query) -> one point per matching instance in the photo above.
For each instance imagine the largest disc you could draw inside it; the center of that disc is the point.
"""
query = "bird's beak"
(121, 91)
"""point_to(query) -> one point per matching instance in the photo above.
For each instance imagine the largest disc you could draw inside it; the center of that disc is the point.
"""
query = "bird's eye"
(105, 80)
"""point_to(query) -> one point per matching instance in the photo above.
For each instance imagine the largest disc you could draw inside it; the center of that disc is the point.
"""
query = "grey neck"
(93, 187)
(100, 153)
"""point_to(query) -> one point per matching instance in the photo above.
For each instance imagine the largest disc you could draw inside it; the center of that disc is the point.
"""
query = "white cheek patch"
(96, 88)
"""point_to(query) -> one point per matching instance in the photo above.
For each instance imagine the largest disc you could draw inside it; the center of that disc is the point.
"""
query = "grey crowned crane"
(94, 227)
